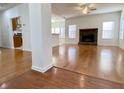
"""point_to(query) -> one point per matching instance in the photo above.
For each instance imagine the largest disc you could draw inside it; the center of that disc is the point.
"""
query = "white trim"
(42, 70)
(121, 47)
(101, 44)
(7, 47)
(36, 68)
(27, 50)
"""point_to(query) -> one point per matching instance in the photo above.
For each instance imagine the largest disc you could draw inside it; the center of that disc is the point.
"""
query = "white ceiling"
(4, 6)
(67, 10)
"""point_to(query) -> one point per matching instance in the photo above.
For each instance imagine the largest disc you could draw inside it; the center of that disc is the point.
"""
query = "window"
(62, 33)
(72, 31)
(108, 30)
(53, 30)
(56, 30)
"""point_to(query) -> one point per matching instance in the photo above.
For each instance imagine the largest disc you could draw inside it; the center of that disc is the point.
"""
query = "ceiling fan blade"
(81, 4)
(92, 5)
(85, 8)
(92, 9)
(77, 8)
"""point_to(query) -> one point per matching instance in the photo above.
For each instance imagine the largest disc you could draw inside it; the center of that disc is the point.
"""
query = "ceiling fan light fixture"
(85, 10)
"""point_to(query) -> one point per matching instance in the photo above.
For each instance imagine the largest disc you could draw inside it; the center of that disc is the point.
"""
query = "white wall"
(7, 33)
(26, 33)
(95, 21)
(121, 41)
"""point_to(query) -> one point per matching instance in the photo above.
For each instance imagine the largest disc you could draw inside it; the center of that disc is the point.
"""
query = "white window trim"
(54, 32)
(75, 31)
(60, 35)
(113, 29)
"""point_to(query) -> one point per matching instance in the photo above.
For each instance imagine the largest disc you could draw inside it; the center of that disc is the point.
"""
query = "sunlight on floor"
(105, 60)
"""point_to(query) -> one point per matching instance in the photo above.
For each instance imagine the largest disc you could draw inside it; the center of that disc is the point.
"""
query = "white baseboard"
(7, 47)
(27, 50)
(42, 70)
(121, 47)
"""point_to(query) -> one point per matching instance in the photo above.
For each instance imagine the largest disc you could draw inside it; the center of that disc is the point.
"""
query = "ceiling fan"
(86, 7)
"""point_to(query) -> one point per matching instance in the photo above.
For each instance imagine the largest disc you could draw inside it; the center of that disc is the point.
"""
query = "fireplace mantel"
(88, 36)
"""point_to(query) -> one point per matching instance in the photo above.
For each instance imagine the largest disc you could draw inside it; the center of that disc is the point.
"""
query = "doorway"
(17, 33)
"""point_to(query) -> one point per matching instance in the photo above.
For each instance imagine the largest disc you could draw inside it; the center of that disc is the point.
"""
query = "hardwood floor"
(57, 78)
(101, 62)
(15, 72)
(13, 63)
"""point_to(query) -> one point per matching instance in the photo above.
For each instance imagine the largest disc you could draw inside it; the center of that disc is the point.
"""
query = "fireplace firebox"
(88, 36)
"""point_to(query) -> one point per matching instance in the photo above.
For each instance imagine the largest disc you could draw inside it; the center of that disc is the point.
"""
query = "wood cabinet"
(17, 41)
(14, 23)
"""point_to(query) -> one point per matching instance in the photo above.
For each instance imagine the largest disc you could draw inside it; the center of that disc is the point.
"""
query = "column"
(40, 26)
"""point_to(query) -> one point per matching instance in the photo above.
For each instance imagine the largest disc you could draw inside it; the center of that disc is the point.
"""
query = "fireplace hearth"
(88, 36)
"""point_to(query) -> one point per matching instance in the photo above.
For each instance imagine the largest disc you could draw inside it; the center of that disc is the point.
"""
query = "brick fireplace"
(88, 36)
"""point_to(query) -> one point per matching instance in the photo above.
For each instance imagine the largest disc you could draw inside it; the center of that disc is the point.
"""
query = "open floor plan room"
(61, 45)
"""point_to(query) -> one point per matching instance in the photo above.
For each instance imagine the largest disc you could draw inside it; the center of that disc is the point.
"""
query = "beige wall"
(95, 21)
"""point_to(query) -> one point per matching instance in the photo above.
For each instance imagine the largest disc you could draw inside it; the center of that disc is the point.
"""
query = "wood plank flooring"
(16, 73)
(97, 61)
(13, 63)
(57, 78)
